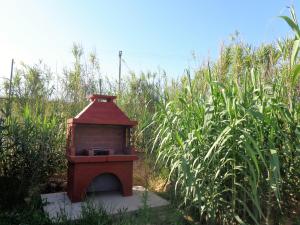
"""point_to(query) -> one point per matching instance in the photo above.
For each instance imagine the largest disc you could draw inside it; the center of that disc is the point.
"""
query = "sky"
(154, 35)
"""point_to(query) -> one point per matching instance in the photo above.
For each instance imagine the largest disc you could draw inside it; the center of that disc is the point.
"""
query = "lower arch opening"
(103, 183)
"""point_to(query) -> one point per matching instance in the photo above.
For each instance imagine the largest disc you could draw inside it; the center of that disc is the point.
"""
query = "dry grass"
(145, 175)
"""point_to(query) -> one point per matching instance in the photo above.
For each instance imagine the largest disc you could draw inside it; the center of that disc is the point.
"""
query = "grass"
(32, 214)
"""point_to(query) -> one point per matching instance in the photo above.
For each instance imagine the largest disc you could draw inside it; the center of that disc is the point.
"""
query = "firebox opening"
(103, 183)
(93, 140)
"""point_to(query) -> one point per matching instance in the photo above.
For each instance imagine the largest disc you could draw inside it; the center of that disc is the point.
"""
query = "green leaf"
(179, 140)
(292, 24)
(295, 51)
(295, 73)
(239, 220)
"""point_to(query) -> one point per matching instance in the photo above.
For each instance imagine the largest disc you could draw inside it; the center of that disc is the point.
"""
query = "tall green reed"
(231, 141)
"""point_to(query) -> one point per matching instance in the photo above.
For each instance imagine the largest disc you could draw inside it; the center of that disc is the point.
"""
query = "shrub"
(32, 149)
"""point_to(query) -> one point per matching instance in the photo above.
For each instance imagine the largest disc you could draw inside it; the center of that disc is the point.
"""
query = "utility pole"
(100, 86)
(10, 86)
(10, 79)
(120, 60)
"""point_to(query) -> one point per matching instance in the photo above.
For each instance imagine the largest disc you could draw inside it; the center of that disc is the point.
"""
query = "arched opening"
(103, 183)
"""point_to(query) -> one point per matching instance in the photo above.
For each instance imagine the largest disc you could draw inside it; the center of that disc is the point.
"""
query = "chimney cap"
(108, 98)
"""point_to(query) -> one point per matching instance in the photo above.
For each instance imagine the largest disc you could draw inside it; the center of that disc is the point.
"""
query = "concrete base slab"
(58, 204)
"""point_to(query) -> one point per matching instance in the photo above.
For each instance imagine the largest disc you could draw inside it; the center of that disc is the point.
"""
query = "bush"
(32, 149)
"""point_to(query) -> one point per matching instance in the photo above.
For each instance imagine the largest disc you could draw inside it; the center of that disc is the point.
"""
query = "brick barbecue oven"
(99, 150)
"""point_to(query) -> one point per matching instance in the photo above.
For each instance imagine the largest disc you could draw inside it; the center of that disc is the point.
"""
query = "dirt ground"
(144, 175)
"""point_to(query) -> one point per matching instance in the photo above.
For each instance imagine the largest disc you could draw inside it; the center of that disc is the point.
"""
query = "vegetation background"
(224, 138)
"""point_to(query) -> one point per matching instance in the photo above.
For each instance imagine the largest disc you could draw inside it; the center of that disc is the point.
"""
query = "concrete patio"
(112, 202)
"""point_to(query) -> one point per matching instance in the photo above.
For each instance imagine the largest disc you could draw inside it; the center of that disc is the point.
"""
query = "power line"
(136, 54)
(125, 63)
